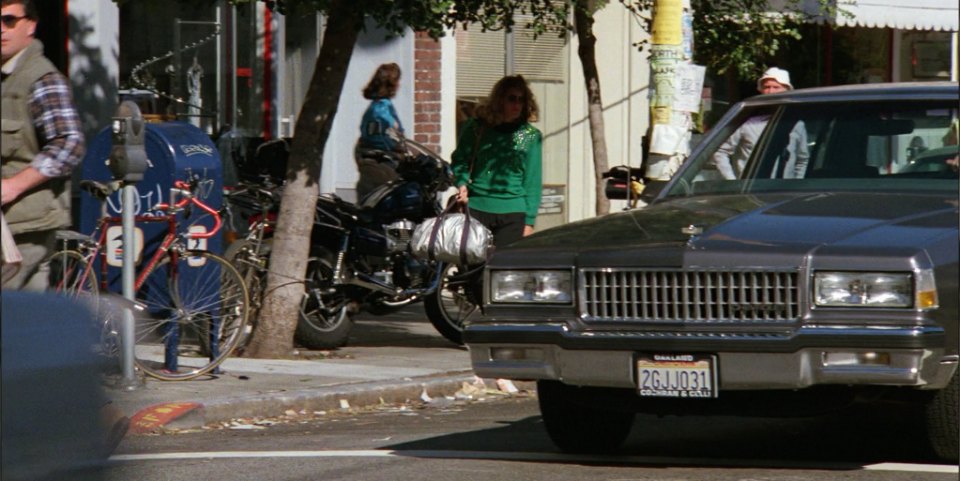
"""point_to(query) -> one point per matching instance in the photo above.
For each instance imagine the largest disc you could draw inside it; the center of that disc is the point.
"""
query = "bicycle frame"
(98, 254)
(100, 234)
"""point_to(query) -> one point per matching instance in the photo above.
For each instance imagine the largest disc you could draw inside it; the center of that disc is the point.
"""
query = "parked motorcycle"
(360, 256)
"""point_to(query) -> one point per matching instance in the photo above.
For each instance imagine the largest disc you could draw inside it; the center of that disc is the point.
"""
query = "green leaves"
(740, 35)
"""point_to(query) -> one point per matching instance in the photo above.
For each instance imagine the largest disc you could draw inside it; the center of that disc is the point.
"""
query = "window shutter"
(540, 60)
(480, 61)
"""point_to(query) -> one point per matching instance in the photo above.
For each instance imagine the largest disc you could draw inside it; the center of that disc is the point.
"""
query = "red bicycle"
(192, 305)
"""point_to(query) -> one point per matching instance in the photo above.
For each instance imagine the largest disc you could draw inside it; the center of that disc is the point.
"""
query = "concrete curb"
(358, 395)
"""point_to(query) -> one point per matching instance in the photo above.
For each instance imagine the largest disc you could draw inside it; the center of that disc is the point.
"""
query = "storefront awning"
(899, 14)
(904, 15)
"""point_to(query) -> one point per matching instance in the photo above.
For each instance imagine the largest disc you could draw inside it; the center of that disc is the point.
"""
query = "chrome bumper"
(898, 357)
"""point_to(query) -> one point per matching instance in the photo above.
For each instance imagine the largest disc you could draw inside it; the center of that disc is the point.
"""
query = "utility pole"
(671, 50)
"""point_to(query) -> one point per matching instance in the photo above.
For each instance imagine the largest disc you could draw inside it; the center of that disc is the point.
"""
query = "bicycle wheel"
(194, 313)
(71, 276)
(250, 262)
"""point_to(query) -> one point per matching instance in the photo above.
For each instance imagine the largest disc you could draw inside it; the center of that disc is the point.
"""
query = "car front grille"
(688, 296)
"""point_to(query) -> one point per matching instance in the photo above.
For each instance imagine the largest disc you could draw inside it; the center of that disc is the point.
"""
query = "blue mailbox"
(176, 151)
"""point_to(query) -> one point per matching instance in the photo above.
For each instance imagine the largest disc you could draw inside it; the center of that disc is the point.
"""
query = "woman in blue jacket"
(381, 132)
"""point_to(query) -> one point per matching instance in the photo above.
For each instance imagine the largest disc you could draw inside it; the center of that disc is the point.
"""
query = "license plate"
(677, 375)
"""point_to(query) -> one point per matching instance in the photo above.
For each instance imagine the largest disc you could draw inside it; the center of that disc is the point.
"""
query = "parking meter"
(127, 163)
(128, 157)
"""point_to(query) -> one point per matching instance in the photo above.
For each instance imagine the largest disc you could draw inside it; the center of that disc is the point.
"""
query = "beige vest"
(46, 206)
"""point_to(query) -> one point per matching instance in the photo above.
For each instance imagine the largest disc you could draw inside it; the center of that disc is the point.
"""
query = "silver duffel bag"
(452, 237)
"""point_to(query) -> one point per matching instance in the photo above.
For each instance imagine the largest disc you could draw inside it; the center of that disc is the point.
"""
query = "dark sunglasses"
(516, 98)
(10, 21)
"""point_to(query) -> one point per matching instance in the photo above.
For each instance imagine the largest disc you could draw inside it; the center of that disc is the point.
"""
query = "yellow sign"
(666, 22)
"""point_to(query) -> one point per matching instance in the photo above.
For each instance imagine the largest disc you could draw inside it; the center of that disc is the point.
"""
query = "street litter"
(290, 412)
(246, 426)
(344, 404)
(507, 386)
(471, 391)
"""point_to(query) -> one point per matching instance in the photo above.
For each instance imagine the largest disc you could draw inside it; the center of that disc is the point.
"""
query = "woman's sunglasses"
(516, 98)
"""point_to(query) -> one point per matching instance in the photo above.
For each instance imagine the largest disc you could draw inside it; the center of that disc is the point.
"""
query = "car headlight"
(875, 289)
(531, 286)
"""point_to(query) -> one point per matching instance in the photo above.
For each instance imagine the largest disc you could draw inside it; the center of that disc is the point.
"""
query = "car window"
(829, 146)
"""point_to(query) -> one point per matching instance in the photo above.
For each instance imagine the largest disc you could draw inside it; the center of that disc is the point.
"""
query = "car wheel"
(577, 428)
(943, 426)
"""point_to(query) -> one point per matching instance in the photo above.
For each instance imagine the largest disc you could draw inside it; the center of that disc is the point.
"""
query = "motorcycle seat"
(363, 215)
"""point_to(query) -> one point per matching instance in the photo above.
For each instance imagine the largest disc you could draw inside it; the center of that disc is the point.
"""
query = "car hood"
(746, 224)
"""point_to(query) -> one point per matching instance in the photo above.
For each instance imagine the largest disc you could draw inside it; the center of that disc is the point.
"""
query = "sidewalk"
(390, 359)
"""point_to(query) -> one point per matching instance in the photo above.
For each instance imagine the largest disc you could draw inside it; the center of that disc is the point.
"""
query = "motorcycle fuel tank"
(395, 200)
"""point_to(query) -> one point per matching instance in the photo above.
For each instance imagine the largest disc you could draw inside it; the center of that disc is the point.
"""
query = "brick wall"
(426, 88)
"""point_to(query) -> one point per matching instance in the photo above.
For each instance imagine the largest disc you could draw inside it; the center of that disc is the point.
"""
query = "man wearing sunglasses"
(41, 143)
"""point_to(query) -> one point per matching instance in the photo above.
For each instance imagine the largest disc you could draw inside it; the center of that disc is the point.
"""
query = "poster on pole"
(666, 139)
(688, 87)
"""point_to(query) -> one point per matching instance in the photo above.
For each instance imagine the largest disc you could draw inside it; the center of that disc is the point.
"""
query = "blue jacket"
(379, 117)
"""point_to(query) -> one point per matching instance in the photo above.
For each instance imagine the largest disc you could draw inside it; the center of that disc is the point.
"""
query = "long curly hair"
(384, 83)
(490, 110)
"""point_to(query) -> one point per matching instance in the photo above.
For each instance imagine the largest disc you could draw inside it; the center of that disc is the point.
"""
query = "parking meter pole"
(128, 161)
(129, 381)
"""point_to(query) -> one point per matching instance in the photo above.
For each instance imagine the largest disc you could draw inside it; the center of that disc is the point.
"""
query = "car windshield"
(890, 145)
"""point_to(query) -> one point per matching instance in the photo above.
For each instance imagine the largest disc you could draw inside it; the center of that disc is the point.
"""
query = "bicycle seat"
(69, 235)
(98, 189)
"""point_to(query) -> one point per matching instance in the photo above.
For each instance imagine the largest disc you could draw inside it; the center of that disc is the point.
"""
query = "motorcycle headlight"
(531, 286)
(875, 289)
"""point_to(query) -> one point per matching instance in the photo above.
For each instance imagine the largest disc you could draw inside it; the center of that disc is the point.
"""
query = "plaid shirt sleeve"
(61, 140)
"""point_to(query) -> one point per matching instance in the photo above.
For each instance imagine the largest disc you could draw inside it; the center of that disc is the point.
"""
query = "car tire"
(942, 422)
(577, 428)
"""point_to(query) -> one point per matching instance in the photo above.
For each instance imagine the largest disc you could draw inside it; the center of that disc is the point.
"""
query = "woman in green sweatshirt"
(496, 165)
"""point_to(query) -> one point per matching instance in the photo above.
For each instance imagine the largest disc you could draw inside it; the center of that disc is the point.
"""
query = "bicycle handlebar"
(186, 190)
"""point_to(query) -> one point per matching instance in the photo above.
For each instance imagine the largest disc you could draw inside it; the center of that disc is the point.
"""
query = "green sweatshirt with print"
(506, 174)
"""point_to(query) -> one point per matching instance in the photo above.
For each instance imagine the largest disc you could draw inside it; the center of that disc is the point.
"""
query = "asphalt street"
(501, 438)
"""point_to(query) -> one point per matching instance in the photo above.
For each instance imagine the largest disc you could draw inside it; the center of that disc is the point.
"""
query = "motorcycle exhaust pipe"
(367, 281)
(372, 283)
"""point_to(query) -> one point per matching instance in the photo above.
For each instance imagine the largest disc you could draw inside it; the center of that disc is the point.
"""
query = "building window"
(172, 47)
(925, 56)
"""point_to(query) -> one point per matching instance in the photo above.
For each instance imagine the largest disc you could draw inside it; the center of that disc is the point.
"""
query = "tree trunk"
(291, 243)
(583, 19)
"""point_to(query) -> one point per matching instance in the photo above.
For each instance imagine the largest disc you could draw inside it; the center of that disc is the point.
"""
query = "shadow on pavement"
(845, 440)
(406, 327)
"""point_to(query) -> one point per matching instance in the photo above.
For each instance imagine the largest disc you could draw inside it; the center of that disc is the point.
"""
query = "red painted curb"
(153, 417)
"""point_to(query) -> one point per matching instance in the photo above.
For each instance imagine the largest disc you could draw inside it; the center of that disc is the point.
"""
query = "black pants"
(506, 228)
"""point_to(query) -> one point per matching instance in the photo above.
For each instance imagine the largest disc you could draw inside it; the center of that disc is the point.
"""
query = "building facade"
(247, 69)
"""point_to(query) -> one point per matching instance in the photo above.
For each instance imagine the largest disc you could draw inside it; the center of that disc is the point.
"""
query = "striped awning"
(941, 15)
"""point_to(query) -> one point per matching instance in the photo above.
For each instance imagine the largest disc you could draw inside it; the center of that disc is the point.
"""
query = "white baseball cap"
(778, 74)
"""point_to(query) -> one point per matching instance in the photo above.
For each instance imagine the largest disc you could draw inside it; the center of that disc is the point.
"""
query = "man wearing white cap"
(731, 157)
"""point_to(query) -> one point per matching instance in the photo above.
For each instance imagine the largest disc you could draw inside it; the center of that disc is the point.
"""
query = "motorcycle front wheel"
(449, 307)
(325, 321)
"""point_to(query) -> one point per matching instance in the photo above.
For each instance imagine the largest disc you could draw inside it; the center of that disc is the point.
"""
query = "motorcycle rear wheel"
(325, 320)
(450, 307)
